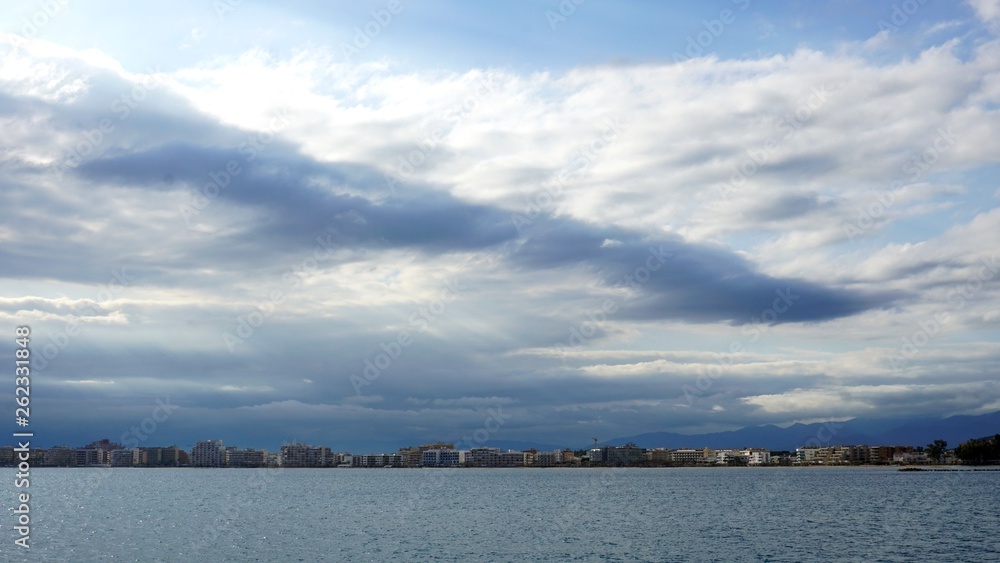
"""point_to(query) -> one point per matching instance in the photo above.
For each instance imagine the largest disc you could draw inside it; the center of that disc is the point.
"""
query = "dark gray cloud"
(694, 283)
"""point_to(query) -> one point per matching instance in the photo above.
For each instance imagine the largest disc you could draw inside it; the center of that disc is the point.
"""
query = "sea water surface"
(724, 514)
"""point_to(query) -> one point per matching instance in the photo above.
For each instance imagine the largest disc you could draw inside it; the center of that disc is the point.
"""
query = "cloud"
(986, 10)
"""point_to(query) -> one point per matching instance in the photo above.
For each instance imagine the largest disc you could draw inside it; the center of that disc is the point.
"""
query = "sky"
(369, 225)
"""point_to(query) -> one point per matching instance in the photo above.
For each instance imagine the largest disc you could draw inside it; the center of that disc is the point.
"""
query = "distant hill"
(902, 432)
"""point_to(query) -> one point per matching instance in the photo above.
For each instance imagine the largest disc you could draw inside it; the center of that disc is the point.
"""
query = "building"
(377, 460)
(886, 454)
(857, 454)
(413, 456)
(124, 458)
(437, 446)
(304, 455)
(548, 458)
(483, 457)
(208, 453)
(512, 458)
(153, 458)
(806, 455)
(658, 456)
(246, 458)
(88, 457)
(159, 456)
(171, 456)
(104, 445)
(911, 457)
(757, 456)
(620, 456)
(686, 456)
(60, 456)
(444, 457)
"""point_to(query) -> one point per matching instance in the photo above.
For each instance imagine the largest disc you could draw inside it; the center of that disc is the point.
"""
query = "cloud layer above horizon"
(366, 228)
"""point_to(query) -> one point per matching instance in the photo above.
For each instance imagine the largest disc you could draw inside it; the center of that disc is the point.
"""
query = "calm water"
(774, 514)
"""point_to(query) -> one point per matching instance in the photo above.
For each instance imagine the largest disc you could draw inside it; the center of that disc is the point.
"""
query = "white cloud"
(987, 10)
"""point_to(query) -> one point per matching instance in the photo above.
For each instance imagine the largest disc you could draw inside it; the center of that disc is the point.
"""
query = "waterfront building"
(413, 457)
(304, 455)
(483, 457)
(246, 458)
(88, 457)
(512, 458)
(619, 456)
(379, 460)
(60, 456)
(208, 453)
(757, 456)
(122, 458)
(686, 456)
(548, 458)
(806, 455)
(444, 457)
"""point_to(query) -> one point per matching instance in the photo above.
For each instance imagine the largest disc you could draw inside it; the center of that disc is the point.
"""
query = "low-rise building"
(620, 456)
(247, 458)
(757, 456)
(686, 456)
(304, 455)
(378, 460)
(549, 458)
(483, 457)
(512, 458)
(444, 457)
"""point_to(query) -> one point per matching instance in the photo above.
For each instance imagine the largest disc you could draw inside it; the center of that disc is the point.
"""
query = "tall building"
(208, 453)
(170, 456)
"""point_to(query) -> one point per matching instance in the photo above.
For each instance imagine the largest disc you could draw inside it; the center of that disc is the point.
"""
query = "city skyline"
(376, 223)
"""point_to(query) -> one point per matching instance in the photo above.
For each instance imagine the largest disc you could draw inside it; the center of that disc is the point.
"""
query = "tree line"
(980, 451)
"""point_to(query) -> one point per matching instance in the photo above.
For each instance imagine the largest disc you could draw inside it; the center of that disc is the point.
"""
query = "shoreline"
(904, 468)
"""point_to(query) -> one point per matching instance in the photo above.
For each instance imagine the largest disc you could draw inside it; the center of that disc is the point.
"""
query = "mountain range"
(869, 431)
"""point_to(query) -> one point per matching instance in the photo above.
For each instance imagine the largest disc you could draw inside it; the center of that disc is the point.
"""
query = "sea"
(556, 514)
